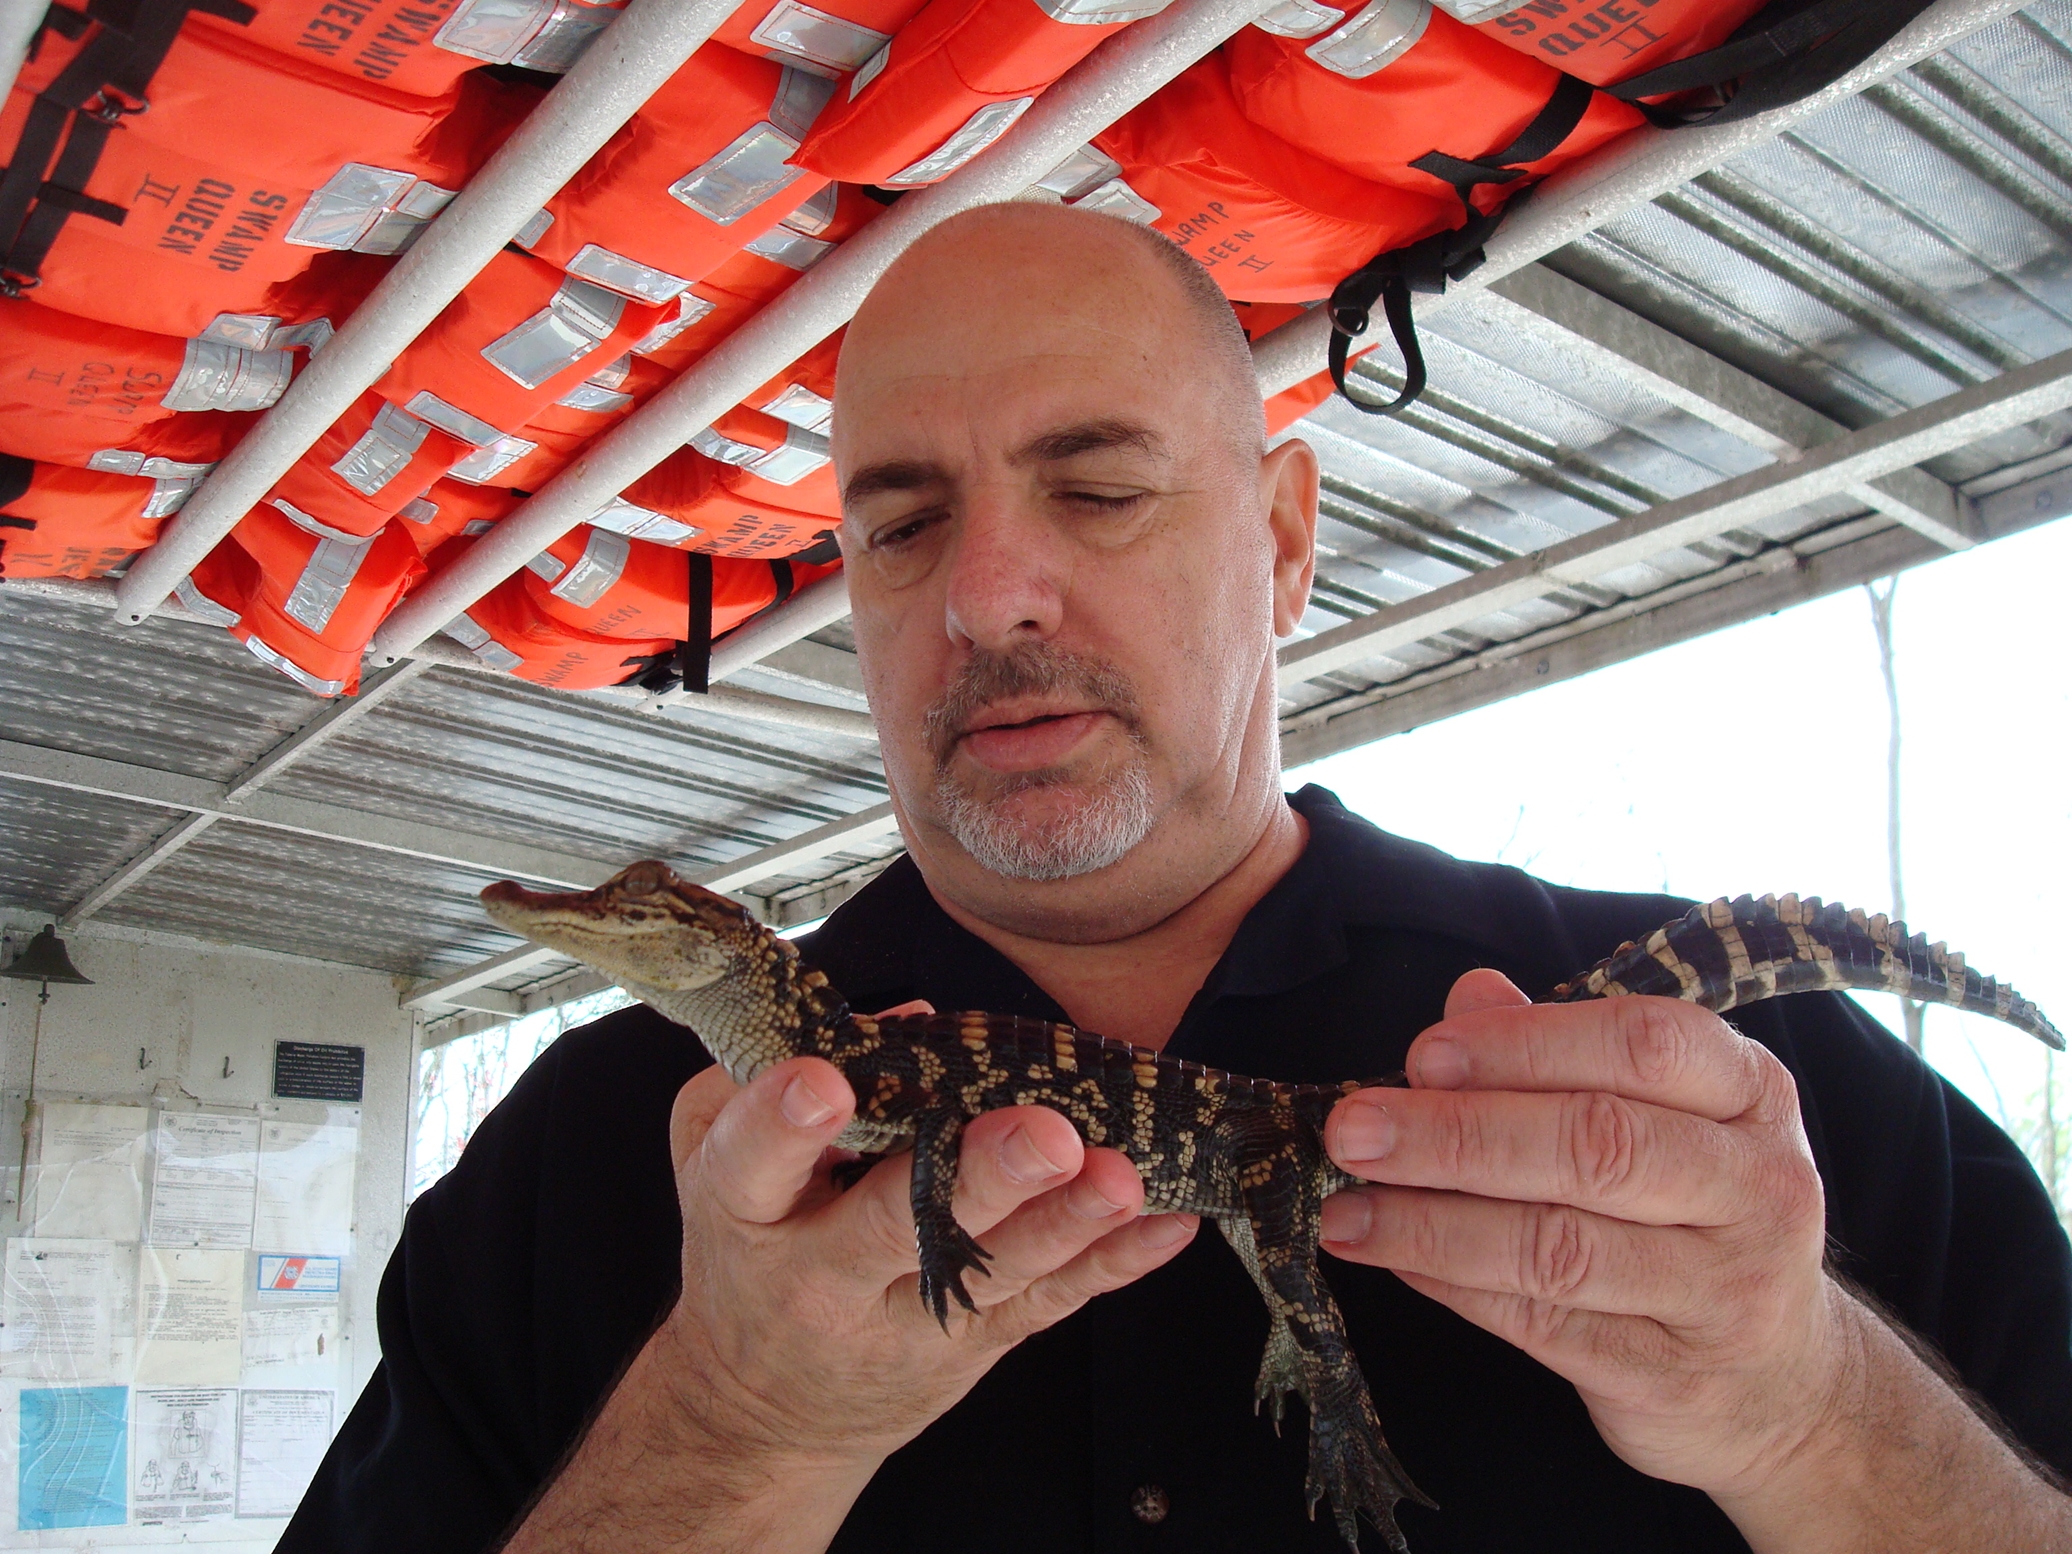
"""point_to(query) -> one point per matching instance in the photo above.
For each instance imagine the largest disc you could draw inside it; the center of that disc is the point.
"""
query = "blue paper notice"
(74, 1462)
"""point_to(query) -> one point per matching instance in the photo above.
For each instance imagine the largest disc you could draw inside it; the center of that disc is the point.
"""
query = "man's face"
(1064, 581)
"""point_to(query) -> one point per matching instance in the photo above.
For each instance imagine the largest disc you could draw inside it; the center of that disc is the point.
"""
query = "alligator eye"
(644, 879)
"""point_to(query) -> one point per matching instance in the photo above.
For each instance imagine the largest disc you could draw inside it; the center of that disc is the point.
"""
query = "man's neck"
(1135, 989)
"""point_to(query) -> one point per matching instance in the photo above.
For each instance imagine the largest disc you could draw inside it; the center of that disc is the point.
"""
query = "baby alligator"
(1247, 1153)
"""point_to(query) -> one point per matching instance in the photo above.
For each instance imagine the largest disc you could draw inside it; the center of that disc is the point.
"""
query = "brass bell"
(45, 961)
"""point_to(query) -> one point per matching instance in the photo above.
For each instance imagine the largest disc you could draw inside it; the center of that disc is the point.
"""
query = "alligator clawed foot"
(1280, 1373)
(947, 1251)
(1352, 1465)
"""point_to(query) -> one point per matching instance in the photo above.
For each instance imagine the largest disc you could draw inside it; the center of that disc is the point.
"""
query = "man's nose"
(1007, 577)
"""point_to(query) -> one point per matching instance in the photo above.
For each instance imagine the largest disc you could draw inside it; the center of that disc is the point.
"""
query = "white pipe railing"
(620, 70)
(1631, 171)
(1121, 73)
(19, 20)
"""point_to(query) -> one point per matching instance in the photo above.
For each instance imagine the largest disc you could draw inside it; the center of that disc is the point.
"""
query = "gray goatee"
(1115, 809)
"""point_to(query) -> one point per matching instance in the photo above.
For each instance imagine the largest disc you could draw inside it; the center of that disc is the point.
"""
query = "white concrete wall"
(188, 1011)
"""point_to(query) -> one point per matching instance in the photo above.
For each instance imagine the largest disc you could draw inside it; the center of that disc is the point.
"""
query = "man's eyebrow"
(891, 475)
(1088, 437)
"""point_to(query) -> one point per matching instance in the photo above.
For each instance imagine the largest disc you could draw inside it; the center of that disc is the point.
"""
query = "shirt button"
(1149, 1504)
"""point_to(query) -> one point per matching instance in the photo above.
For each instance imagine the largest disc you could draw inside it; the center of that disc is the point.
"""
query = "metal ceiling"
(1874, 284)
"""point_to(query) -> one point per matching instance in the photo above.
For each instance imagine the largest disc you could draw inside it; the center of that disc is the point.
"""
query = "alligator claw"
(946, 1253)
(1349, 1462)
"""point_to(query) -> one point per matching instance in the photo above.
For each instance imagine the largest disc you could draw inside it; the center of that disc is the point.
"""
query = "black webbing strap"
(1786, 51)
(825, 548)
(103, 83)
(1553, 124)
(1390, 278)
(694, 653)
(16, 474)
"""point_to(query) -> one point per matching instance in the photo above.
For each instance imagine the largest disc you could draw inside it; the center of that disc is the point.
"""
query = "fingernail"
(802, 1105)
(1022, 1160)
(1089, 1202)
(1348, 1216)
(1441, 1064)
(1162, 1230)
(1364, 1131)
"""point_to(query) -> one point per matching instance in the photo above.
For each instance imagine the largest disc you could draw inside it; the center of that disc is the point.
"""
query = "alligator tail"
(1738, 952)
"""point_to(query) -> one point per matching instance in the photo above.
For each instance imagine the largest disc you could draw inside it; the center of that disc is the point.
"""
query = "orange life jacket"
(57, 521)
(370, 463)
(71, 388)
(701, 170)
(302, 597)
(519, 337)
(1420, 101)
(451, 508)
(952, 81)
(423, 46)
(1270, 222)
(244, 168)
(597, 608)
(1603, 41)
(834, 37)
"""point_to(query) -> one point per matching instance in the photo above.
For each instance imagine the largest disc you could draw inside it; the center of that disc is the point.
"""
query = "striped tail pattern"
(1737, 952)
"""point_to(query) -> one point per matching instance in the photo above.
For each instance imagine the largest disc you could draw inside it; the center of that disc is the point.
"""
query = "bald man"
(1609, 1278)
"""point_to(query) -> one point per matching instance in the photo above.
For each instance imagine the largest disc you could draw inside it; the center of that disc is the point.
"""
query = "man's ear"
(1288, 478)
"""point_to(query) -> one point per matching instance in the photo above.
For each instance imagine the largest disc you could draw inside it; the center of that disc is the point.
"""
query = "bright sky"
(1754, 760)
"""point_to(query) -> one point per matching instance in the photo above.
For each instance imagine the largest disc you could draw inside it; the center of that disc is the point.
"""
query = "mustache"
(1032, 669)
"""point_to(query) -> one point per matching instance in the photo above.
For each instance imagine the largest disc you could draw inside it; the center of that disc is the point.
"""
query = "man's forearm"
(1899, 1463)
(651, 1476)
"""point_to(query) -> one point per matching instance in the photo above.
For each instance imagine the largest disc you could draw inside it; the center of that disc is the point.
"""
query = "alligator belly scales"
(1247, 1153)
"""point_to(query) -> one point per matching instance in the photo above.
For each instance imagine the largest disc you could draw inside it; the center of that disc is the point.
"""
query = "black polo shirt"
(529, 1275)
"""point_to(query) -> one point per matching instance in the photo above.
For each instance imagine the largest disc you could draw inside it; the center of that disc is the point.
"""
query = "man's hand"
(1623, 1189)
(799, 1354)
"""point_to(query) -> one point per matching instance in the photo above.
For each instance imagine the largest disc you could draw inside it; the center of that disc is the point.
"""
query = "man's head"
(1069, 555)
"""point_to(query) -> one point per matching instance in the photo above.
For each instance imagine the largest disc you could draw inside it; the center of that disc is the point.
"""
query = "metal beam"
(834, 837)
(1631, 171)
(1809, 568)
(334, 719)
(2012, 399)
(1599, 332)
(618, 72)
(297, 817)
(1119, 74)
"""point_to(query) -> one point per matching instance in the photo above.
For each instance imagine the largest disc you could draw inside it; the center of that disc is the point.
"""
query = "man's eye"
(895, 535)
(1104, 501)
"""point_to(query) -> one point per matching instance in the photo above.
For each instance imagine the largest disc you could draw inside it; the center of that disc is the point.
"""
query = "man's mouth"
(1015, 739)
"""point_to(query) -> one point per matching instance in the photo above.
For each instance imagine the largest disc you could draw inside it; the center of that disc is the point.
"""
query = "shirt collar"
(892, 938)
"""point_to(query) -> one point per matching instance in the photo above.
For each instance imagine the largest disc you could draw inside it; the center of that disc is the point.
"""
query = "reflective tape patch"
(476, 527)
(293, 670)
(486, 463)
(803, 453)
(801, 407)
(1375, 38)
(1117, 198)
(309, 523)
(642, 282)
(576, 321)
(1099, 13)
(747, 172)
(383, 451)
(468, 632)
(640, 523)
(121, 461)
(253, 331)
(1084, 170)
(313, 336)
(979, 131)
(815, 213)
(427, 406)
(588, 396)
(326, 576)
(214, 376)
(613, 374)
(345, 209)
(689, 309)
(545, 35)
(546, 564)
(419, 510)
(395, 230)
(800, 32)
(601, 565)
(801, 94)
(169, 496)
(793, 250)
(201, 606)
(716, 445)
(534, 229)
(1473, 11)
(872, 69)
(1307, 18)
